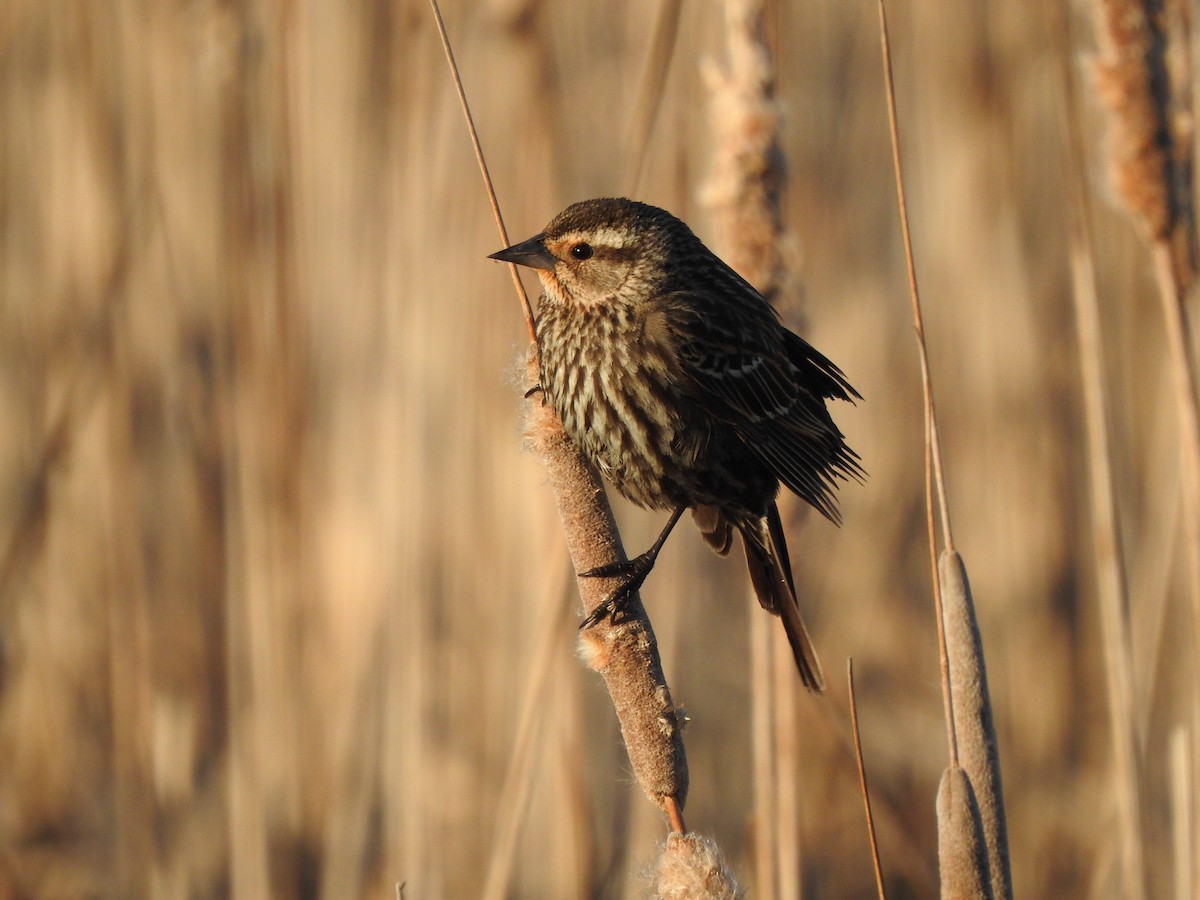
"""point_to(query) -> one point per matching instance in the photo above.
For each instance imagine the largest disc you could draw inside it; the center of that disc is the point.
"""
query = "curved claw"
(607, 609)
(612, 570)
(613, 606)
(633, 572)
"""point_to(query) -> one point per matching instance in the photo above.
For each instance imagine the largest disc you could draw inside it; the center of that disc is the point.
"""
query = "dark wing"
(749, 371)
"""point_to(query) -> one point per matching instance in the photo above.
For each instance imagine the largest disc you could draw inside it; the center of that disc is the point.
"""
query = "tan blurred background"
(276, 574)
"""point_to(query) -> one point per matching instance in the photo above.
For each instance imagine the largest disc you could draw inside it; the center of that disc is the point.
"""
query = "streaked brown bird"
(685, 391)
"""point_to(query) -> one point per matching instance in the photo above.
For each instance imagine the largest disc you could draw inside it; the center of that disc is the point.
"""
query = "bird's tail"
(771, 573)
(715, 528)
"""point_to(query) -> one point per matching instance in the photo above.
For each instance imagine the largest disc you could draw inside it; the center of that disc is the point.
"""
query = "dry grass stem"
(1151, 169)
(969, 726)
(790, 771)
(650, 90)
(518, 781)
(764, 763)
(1180, 769)
(862, 780)
(934, 445)
(624, 654)
(933, 452)
(1111, 585)
(526, 306)
(1187, 404)
(1107, 540)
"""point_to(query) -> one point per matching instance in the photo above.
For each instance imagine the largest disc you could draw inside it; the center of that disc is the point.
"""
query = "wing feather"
(769, 384)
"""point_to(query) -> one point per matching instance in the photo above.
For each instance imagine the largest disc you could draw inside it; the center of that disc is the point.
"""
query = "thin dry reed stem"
(574, 824)
(788, 769)
(625, 654)
(650, 90)
(1152, 177)
(347, 828)
(764, 778)
(88, 373)
(1114, 609)
(1187, 404)
(551, 616)
(862, 780)
(526, 306)
(1179, 769)
(1106, 531)
(129, 636)
(933, 452)
(969, 726)
(265, 417)
(935, 444)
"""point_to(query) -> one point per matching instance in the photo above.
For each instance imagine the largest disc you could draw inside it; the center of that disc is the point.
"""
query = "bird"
(684, 390)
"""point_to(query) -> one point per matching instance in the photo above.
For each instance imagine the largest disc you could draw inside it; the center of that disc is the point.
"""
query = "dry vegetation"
(285, 608)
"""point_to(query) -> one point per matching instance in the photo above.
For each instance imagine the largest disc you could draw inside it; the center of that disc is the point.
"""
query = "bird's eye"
(582, 251)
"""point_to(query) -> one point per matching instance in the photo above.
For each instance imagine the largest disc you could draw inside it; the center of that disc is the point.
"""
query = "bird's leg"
(634, 572)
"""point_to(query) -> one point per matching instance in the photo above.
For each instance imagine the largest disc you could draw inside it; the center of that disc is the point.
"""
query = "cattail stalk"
(625, 653)
(962, 851)
(978, 751)
(971, 822)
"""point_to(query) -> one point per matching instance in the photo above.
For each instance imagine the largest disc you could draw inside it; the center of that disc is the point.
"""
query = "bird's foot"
(613, 607)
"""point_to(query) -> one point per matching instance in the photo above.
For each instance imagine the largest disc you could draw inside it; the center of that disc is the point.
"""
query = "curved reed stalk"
(625, 654)
(972, 782)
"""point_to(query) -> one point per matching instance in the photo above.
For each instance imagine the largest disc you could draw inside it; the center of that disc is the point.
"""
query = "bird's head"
(602, 250)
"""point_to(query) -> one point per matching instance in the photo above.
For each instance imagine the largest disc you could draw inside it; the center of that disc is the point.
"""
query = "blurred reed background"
(274, 565)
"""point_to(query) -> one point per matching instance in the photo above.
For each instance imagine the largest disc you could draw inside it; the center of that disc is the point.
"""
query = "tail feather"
(771, 574)
(715, 528)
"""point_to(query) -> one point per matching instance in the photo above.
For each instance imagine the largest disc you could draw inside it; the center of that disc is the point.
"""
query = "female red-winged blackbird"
(684, 390)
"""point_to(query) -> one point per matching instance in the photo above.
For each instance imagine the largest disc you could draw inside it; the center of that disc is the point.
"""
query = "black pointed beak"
(532, 253)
